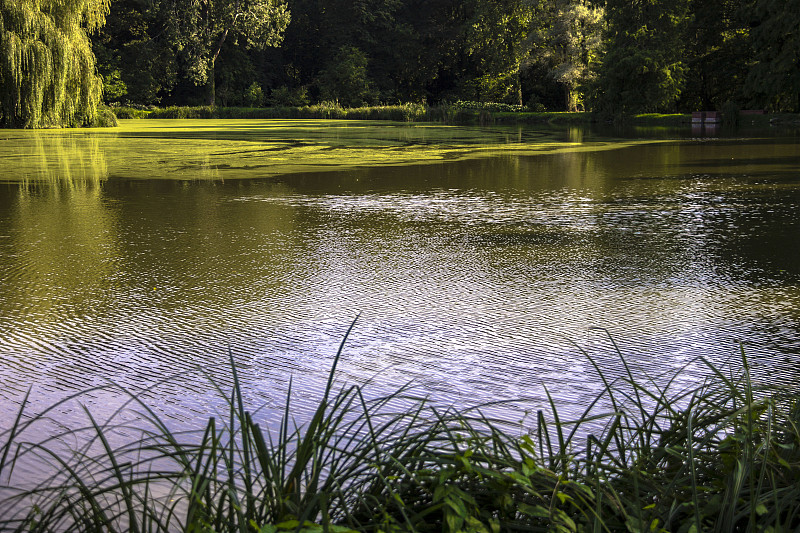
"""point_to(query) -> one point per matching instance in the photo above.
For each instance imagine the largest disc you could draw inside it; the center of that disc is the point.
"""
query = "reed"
(721, 456)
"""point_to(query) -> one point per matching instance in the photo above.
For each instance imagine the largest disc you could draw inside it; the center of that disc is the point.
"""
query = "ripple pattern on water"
(472, 293)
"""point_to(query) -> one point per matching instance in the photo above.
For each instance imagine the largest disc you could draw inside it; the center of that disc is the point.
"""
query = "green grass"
(324, 110)
(449, 114)
(457, 113)
(722, 456)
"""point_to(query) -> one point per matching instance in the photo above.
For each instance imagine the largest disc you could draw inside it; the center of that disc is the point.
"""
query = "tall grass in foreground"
(718, 457)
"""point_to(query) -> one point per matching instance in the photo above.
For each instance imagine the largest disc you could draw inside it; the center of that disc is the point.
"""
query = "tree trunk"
(569, 98)
(212, 96)
(212, 89)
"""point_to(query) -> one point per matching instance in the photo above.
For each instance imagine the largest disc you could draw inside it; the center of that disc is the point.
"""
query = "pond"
(483, 263)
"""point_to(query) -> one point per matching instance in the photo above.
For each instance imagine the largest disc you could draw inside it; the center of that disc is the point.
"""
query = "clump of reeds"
(722, 456)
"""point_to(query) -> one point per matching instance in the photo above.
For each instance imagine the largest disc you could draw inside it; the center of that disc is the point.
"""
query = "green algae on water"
(241, 149)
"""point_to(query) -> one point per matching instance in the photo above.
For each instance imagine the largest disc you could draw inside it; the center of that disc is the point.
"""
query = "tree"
(139, 46)
(774, 81)
(47, 69)
(345, 78)
(568, 45)
(496, 45)
(259, 23)
(716, 55)
(468, 49)
(642, 70)
(324, 32)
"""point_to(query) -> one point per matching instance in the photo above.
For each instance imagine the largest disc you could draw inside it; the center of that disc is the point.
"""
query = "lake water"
(481, 261)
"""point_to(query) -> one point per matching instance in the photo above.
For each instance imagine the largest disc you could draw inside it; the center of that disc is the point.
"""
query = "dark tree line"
(611, 56)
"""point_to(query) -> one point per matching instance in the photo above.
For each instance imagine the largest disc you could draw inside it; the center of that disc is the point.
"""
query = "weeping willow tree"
(47, 69)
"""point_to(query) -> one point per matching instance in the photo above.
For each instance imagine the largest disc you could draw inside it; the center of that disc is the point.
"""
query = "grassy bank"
(719, 457)
(459, 113)
(448, 114)
(408, 113)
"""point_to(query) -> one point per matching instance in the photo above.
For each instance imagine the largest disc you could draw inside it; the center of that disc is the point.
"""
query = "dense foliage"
(611, 56)
(47, 68)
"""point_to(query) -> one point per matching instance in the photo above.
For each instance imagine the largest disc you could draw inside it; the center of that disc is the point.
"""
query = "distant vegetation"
(611, 57)
(458, 113)
(608, 56)
(645, 455)
(483, 113)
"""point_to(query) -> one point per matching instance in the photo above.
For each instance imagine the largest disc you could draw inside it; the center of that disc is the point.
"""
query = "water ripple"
(471, 293)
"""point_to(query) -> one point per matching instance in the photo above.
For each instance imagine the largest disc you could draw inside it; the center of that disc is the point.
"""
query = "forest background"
(613, 57)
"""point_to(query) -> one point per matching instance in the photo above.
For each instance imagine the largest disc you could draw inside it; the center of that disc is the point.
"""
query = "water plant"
(645, 455)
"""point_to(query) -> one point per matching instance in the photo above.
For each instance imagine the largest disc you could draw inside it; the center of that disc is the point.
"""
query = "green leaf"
(453, 522)
(475, 526)
(458, 506)
(535, 511)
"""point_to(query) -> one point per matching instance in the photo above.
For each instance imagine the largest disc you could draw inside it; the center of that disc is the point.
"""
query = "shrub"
(184, 112)
(285, 97)
(124, 112)
(254, 96)
(488, 106)
(105, 118)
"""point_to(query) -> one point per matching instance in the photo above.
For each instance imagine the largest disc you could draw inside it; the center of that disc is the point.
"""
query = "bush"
(345, 78)
(184, 112)
(124, 112)
(254, 96)
(285, 97)
(488, 106)
(105, 118)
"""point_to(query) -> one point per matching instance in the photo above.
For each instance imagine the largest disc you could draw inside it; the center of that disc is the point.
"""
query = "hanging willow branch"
(48, 76)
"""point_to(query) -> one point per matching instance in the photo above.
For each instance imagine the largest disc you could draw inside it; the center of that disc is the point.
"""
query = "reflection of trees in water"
(207, 243)
(64, 245)
(72, 159)
(64, 248)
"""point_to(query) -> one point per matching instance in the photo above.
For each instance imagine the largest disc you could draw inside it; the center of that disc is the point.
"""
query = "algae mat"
(241, 149)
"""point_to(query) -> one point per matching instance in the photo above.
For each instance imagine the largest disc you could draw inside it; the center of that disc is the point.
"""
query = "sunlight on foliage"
(47, 68)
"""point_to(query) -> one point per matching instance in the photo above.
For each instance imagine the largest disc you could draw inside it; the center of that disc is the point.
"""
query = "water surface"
(481, 261)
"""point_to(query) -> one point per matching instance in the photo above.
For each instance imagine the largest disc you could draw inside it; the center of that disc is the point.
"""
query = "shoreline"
(440, 114)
